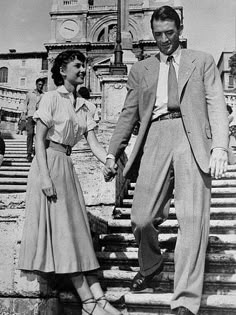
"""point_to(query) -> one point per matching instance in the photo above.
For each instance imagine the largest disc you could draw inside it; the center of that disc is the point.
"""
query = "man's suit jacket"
(202, 106)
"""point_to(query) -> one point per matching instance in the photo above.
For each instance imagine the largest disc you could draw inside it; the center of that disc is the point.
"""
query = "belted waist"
(170, 115)
(60, 147)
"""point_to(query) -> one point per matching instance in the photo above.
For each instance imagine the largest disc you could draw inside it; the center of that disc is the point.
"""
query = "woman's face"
(74, 72)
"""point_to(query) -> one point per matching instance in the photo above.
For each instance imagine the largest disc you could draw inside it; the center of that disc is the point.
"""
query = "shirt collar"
(176, 54)
(62, 89)
(80, 102)
(36, 92)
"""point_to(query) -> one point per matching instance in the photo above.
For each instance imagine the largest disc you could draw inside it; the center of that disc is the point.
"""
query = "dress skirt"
(56, 236)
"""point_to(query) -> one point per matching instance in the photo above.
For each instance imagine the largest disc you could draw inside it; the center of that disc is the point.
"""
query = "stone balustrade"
(12, 98)
(230, 99)
(11, 106)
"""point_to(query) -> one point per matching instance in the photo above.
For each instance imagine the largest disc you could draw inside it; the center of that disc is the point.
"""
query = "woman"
(56, 231)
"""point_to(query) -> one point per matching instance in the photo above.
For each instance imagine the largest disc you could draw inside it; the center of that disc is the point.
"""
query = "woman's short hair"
(165, 13)
(62, 60)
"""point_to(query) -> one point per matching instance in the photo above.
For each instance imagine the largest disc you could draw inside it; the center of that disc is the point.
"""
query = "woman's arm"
(46, 182)
(95, 146)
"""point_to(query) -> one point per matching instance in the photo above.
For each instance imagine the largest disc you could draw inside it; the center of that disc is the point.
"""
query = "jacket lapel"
(186, 68)
(152, 68)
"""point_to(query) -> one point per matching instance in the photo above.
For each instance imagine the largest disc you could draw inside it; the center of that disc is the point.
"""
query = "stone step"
(13, 180)
(14, 168)
(151, 303)
(215, 202)
(126, 241)
(224, 262)
(10, 163)
(215, 213)
(16, 152)
(4, 174)
(9, 159)
(158, 303)
(15, 155)
(12, 188)
(216, 191)
(213, 282)
(171, 226)
(215, 183)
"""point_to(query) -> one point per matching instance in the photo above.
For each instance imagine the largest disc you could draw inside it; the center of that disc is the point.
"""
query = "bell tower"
(68, 21)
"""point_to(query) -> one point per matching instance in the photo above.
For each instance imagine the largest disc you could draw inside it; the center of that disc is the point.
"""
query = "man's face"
(39, 86)
(166, 35)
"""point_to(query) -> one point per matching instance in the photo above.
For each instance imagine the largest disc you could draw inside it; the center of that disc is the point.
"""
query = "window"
(44, 64)
(231, 81)
(22, 82)
(3, 75)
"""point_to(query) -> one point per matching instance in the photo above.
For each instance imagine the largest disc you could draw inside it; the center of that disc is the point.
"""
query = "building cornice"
(23, 55)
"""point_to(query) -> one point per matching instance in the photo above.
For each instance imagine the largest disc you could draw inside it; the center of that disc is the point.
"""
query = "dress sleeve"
(91, 123)
(45, 110)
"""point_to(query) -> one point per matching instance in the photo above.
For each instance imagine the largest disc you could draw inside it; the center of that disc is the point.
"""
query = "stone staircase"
(15, 167)
(119, 258)
(117, 250)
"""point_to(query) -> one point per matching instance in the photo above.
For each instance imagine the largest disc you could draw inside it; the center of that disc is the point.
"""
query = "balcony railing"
(70, 2)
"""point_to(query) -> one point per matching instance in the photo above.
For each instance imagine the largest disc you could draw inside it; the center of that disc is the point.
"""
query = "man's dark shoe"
(141, 282)
(184, 311)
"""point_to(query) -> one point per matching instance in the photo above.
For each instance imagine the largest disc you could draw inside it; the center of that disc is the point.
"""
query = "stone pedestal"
(113, 96)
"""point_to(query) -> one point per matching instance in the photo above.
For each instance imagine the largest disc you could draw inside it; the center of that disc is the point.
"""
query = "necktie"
(173, 97)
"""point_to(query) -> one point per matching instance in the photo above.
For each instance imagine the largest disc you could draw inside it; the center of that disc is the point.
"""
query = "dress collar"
(62, 89)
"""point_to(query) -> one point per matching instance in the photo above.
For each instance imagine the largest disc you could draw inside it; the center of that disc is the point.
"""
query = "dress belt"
(171, 115)
(60, 147)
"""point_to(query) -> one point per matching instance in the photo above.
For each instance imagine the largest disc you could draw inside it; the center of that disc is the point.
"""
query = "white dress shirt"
(160, 106)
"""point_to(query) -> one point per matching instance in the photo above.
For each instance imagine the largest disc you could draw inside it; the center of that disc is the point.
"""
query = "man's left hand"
(218, 163)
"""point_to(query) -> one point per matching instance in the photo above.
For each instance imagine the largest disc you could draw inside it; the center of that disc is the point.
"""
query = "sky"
(209, 25)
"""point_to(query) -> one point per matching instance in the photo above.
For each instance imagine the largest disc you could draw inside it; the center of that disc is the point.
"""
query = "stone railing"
(12, 98)
(11, 106)
(112, 7)
(70, 2)
(230, 99)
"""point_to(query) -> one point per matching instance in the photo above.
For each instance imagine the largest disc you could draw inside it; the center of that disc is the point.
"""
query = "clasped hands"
(110, 170)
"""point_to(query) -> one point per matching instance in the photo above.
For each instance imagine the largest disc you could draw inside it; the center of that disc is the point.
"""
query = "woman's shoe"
(102, 301)
(95, 309)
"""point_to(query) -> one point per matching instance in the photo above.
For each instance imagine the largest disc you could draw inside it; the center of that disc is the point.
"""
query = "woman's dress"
(56, 236)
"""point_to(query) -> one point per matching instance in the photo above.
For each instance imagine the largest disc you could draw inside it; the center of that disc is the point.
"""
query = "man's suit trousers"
(167, 149)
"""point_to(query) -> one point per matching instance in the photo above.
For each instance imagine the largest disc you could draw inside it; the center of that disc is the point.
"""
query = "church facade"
(91, 26)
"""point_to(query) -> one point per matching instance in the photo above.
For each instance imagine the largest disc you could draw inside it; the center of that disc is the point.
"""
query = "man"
(183, 131)
(2, 149)
(31, 105)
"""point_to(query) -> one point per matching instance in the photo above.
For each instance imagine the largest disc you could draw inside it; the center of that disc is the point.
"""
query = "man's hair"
(40, 80)
(229, 109)
(84, 92)
(165, 13)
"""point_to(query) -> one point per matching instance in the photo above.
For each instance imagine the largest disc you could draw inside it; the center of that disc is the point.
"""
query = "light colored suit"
(184, 146)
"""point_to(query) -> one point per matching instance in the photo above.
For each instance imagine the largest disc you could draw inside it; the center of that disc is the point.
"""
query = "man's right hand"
(110, 169)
